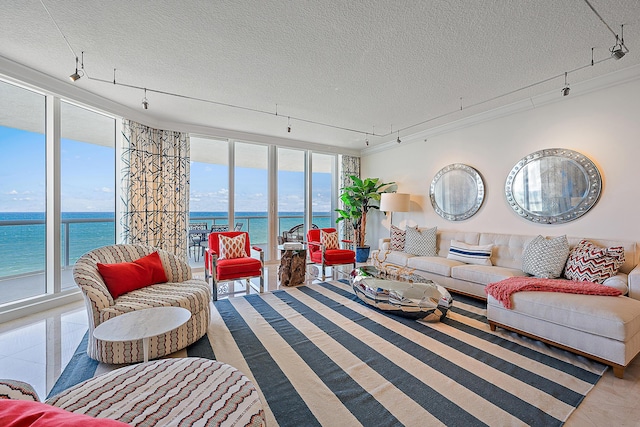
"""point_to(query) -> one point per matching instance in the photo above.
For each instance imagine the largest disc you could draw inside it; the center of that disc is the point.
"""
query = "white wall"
(603, 125)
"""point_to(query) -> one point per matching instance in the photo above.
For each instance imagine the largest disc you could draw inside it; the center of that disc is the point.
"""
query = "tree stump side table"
(293, 266)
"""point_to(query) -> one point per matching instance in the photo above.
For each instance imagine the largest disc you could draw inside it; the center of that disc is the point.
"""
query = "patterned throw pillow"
(329, 240)
(420, 242)
(545, 258)
(470, 254)
(591, 263)
(232, 247)
(397, 239)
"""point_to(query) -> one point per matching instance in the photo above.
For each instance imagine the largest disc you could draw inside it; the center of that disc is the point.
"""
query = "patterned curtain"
(155, 187)
(349, 166)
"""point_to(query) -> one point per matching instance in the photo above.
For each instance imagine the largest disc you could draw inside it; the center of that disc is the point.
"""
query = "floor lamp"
(394, 202)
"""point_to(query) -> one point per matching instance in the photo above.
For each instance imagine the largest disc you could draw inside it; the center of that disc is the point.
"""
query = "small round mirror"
(553, 186)
(457, 192)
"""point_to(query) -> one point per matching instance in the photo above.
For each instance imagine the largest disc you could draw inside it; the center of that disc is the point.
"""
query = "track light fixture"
(145, 103)
(619, 49)
(289, 124)
(76, 76)
(566, 89)
(398, 140)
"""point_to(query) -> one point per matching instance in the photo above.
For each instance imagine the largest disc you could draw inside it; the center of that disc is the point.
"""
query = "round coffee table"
(410, 296)
(142, 325)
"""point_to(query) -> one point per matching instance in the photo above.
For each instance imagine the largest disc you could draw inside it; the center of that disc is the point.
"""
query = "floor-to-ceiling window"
(208, 191)
(251, 191)
(230, 181)
(323, 180)
(57, 167)
(22, 193)
(291, 189)
(87, 175)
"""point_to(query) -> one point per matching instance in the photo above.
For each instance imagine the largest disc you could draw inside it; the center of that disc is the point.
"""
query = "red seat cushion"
(238, 267)
(23, 413)
(334, 256)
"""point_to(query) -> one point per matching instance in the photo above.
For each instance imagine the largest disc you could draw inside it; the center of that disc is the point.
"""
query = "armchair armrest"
(256, 250)
(318, 244)
(210, 259)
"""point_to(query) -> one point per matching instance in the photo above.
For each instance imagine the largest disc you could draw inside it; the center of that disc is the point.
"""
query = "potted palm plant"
(357, 199)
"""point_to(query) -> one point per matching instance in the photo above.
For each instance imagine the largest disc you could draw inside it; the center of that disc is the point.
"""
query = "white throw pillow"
(420, 242)
(470, 254)
(545, 258)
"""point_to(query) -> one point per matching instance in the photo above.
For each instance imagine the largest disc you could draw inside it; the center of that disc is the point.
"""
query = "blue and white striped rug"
(319, 356)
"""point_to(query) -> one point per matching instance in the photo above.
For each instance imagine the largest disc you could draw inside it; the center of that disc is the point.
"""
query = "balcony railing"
(23, 246)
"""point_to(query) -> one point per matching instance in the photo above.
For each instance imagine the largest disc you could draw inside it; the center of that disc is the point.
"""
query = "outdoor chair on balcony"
(295, 234)
(324, 249)
(198, 232)
(230, 257)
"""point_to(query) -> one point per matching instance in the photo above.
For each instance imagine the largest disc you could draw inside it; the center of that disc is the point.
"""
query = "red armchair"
(234, 268)
(319, 254)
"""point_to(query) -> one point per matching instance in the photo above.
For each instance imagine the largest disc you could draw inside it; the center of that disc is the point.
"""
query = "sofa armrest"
(634, 283)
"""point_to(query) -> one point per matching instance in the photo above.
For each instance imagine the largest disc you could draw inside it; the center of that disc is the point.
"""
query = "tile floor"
(35, 349)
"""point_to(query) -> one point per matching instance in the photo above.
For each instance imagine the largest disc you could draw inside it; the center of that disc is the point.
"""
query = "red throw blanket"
(503, 289)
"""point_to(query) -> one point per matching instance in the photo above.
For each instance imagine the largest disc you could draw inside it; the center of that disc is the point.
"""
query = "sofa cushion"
(484, 274)
(433, 264)
(545, 258)
(392, 257)
(398, 238)
(612, 317)
(193, 294)
(24, 413)
(592, 263)
(421, 242)
(470, 254)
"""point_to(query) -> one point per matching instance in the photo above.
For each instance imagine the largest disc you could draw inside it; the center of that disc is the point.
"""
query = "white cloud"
(12, 192)
(107, 190)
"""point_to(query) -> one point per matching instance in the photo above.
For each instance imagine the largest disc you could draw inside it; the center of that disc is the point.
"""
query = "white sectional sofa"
(506, 258)
(606, 329)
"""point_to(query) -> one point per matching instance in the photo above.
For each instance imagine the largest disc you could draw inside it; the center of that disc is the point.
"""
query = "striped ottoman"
(168, 392)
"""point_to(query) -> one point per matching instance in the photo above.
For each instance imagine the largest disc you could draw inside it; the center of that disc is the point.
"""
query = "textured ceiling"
(365, 65)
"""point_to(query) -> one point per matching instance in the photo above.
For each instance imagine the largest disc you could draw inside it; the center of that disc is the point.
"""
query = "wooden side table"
(293, 266)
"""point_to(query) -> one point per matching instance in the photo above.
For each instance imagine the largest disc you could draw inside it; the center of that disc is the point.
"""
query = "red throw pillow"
(25, 413)
(125, 277)
(154, 263)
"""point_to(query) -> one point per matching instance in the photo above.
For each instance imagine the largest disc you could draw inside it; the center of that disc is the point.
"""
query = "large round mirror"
(457, 192)
(553, 186)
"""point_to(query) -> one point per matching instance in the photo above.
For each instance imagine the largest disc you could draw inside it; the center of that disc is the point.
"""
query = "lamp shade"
(394, 202)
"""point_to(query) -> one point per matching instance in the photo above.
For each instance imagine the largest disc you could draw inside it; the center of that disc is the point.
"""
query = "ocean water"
(22, 246)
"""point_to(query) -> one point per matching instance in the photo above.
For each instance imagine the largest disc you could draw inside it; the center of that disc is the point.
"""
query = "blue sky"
(88, 180)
